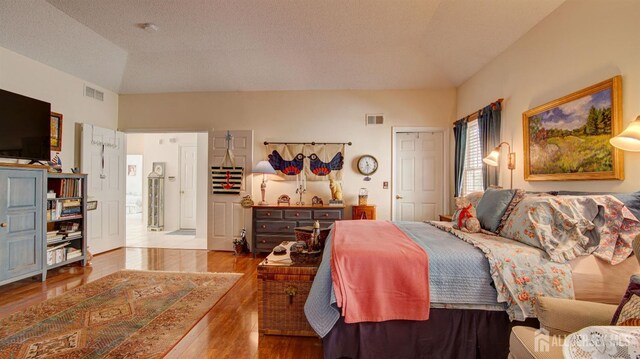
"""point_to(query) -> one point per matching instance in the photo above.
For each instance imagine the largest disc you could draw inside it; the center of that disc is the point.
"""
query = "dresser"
(275, 224)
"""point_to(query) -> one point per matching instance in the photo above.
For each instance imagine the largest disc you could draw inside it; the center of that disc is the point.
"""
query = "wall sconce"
(629, 139)
(265, 168)
(493, 159)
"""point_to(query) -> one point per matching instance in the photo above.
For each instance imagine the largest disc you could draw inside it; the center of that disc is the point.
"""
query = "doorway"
(420, 172)
(182, 158)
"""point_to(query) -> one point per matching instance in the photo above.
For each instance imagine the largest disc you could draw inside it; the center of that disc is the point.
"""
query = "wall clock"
(158, 168)
(367, 165)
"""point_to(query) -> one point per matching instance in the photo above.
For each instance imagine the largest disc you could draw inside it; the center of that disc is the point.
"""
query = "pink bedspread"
(378, 273)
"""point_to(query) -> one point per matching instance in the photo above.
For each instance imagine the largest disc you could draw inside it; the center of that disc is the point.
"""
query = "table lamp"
(265, 168)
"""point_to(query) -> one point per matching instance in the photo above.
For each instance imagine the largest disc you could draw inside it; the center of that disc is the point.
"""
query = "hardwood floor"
(228, 330)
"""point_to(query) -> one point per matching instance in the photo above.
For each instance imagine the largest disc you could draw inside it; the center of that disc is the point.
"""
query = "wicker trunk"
(282, 292)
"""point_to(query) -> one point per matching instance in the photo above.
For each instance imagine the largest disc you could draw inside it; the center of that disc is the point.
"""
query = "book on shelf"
(65, 187)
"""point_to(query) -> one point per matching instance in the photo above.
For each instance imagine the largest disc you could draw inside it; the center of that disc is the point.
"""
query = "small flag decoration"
(226, 180)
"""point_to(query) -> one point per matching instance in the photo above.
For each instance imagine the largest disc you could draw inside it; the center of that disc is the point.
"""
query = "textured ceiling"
(222, 45)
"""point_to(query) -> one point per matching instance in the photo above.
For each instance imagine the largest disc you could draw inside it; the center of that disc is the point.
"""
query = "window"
(472, 176)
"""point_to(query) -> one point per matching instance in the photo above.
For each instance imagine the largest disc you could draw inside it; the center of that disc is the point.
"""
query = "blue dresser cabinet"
(22, 223)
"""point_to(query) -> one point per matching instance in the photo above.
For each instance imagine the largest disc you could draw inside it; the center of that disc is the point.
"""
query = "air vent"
(93, 93)
(377, 119)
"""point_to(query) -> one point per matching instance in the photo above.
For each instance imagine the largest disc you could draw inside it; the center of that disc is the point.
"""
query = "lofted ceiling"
(247, 45)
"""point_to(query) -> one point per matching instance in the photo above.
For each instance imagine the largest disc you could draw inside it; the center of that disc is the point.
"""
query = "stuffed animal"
(464, 218)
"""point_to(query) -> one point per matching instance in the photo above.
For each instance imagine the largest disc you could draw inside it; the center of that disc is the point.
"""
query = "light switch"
(385, 185)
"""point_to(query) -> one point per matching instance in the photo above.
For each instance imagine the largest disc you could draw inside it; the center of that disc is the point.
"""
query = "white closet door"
(103, 159)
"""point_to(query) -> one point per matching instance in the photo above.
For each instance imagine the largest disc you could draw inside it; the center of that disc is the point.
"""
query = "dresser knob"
(3, 225)
(288, 227)
(326, 214)
(268, 213)
(297, 214)
(263, 241)
(263, 226)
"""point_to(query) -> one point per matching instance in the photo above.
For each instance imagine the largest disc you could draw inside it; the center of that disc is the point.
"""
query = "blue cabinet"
(22, 223)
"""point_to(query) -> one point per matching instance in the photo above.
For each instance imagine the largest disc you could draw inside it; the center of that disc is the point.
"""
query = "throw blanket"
(378, 273)
(458, 277)
(519, 271)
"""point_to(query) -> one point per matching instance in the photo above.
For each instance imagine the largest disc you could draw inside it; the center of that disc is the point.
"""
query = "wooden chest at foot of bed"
(282, 292)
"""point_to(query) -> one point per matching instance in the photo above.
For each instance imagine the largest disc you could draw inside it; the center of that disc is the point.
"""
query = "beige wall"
(331, 116)
(28, 77)
(582, 43)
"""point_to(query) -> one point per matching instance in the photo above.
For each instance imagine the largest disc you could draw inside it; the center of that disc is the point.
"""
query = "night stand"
(283, 288)
(363, 212)
(445, 217)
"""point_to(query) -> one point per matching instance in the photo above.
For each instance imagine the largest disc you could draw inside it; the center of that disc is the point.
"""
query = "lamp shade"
(263, 167)
(493, 158)
(629, 139)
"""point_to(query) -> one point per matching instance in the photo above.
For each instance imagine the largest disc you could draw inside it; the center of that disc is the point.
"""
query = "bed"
(469, 317)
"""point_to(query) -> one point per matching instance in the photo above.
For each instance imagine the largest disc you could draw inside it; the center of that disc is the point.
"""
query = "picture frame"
(92, 205)
(56, 131)
(568, 139)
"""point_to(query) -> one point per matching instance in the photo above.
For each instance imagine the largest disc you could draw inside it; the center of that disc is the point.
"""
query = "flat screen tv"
(25, 127)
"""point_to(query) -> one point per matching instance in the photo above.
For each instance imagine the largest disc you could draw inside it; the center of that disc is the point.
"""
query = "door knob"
(398, 196)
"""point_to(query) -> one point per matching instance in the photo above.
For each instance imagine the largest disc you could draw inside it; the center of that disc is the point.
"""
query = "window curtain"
(460, 135)
(489, 129)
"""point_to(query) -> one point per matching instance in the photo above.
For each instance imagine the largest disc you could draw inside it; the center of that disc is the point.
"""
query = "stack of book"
(53, 236)
(73, 253)
(70, 208)
(70, 230)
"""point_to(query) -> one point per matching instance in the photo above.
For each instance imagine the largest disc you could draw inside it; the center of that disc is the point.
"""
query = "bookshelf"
(66, 235)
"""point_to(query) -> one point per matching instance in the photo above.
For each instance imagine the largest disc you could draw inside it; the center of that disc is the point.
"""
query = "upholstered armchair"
(558, 318)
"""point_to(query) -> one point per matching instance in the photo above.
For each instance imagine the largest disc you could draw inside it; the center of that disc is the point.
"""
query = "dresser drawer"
(297, 214)
(275, 226)
(327, 214)
(268, 241)
(269, 213)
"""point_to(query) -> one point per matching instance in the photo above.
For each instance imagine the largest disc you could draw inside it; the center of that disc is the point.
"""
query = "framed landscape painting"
(568, 139)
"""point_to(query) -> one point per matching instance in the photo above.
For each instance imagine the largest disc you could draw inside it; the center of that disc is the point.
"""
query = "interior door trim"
(445, 163)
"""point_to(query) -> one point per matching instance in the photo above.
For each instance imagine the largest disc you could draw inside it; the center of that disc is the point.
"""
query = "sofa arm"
(565, 316)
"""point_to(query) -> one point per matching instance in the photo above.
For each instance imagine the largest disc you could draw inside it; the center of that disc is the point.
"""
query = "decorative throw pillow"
(628, 312)
(492, 206)
(561, 226)
(517, 197)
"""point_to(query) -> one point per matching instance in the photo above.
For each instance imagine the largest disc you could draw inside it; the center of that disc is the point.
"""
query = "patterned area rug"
(128, 314)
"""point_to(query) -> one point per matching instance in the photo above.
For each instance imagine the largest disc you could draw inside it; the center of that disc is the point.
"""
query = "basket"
(306, 234)
(305, 257)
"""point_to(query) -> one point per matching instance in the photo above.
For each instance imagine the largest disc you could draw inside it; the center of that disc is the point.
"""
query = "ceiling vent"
(377, 119)
(93, 93)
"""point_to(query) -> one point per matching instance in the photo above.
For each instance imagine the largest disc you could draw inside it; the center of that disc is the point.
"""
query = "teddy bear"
(464, 218)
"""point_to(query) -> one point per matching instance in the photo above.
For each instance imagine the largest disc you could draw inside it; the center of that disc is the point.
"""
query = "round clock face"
(367, 165)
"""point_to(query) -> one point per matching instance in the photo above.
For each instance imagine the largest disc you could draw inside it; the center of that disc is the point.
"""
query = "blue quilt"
(458, 275)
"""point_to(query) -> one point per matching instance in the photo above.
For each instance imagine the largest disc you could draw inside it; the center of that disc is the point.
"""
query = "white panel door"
(188, 161)
(419, 176)
(225, 212)
(103, 159)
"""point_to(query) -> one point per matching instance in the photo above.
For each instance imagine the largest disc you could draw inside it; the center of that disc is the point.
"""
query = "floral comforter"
(520, 272)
